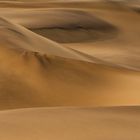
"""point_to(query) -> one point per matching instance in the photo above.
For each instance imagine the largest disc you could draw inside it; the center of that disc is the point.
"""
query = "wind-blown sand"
(69, 70)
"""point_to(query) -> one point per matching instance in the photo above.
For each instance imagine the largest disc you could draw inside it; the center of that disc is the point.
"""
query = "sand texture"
(70, 70)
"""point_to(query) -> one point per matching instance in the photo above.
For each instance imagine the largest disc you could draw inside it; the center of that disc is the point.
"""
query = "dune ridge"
(26, 40)
(70, 77)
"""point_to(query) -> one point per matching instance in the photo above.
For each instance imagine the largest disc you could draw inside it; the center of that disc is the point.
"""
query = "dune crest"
(18, 37)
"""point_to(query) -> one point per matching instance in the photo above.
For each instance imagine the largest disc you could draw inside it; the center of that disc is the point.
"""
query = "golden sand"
(69, 70)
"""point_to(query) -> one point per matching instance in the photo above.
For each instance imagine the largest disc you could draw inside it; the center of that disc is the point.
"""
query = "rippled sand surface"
(69, 70)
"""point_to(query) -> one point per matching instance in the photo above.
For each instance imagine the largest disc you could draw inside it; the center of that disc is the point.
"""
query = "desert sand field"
(70, 70)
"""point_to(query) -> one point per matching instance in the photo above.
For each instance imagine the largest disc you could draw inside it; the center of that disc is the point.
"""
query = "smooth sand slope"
(34, 74)
(59, 60)
(120, 123)
(16, 36)
(75, 25)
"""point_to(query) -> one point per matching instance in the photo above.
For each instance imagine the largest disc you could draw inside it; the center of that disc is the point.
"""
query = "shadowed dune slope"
(72, 26)
(18, 37)
(100, 33)
(102, 4)
(67, 123)
(63, 25)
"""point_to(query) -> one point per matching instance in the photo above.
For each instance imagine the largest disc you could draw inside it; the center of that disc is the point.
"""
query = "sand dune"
(31, 79)
(38, 72)
(13, 35)
(63, 25)
(69, 70)
(104, 30)
(105, 4)
(67, 123)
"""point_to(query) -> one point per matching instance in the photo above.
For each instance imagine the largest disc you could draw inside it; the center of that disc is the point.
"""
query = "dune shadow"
(75, 26)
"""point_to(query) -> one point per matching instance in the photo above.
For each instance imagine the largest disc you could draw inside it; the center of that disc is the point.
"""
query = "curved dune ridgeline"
(69, 70)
